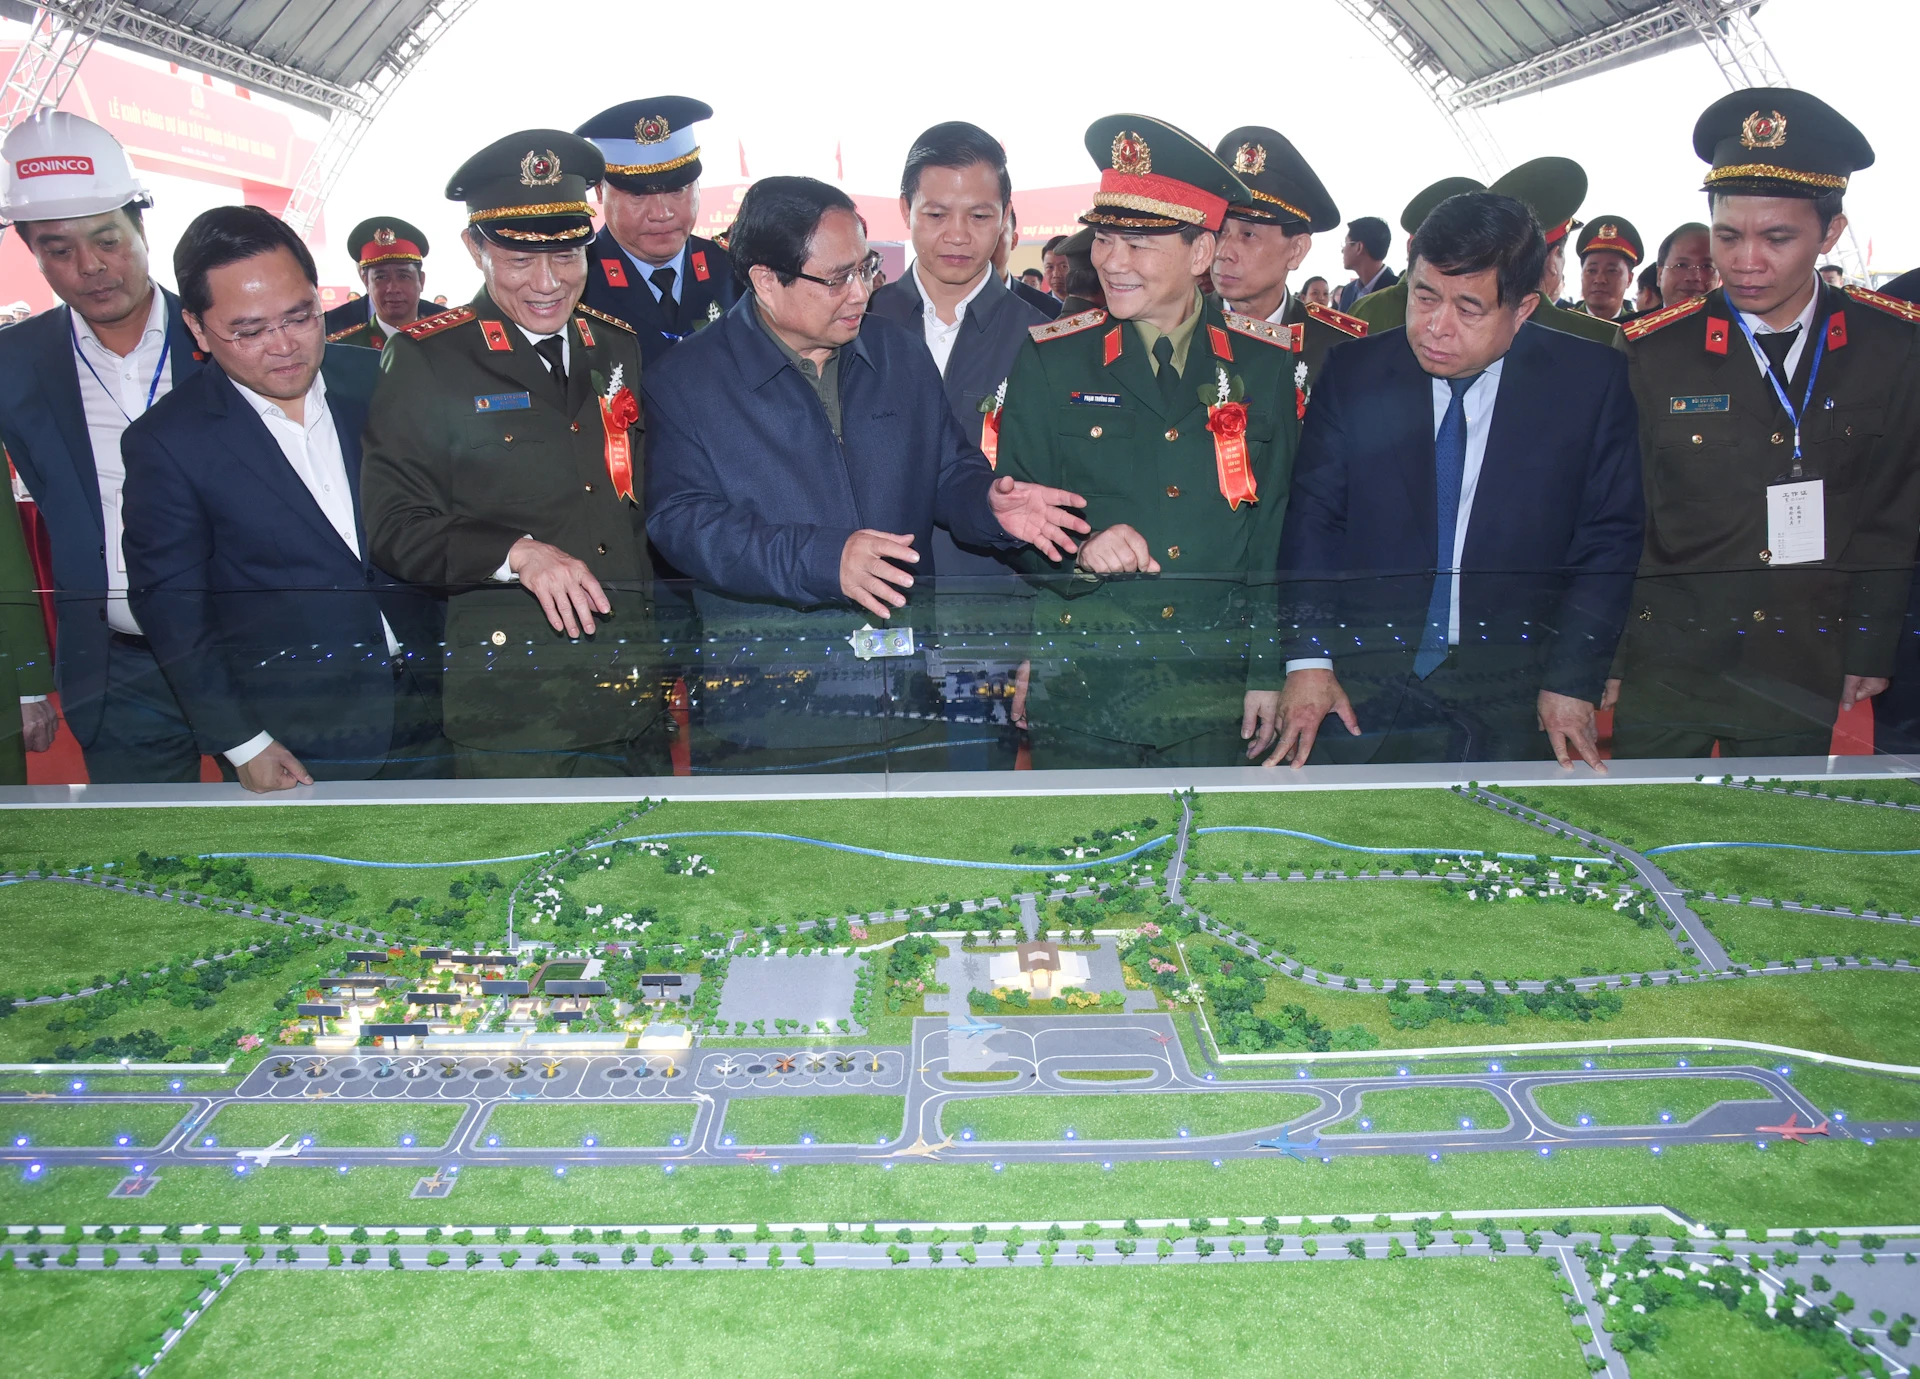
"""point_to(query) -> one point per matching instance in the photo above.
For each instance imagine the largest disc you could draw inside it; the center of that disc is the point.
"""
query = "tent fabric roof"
(340, 42)
(1474, 39)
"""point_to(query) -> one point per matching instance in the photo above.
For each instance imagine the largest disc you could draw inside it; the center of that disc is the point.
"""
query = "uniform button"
(1173, 553)
(1779, 438)
(1173, 490)
(507, 440)
(498, 639)
(1759, 615)
(1066, 619)
(602, 548)
(1173, 433)
(589, 488)
(1646, 615)
(576, 426)
(1849, 430)
(1094, 432)
(1699, 440)
(1167, 612)
(1766, 556)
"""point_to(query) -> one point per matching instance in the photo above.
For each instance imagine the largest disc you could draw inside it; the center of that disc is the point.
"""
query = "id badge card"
(1797, 521)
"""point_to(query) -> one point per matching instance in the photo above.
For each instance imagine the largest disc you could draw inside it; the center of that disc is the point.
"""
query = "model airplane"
(1794, 1130)
(315, 1093)
(726, 1067)
(874, 1066)
(1292, 1148)
(751, 1154)
(279, 1149)
(41, 1096)
(843, 1062)
(971, 1026)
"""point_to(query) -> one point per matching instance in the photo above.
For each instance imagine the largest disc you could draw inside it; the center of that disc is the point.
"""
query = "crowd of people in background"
(653, 502)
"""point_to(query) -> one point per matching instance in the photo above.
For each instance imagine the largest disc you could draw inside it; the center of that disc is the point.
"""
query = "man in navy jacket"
(294, 657)
(1466, 518)
(800, 455)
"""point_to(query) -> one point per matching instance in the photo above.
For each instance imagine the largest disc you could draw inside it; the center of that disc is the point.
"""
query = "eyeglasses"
(867, 270)
(294, 325)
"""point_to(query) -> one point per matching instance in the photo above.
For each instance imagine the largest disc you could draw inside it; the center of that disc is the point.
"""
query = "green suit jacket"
(1154, 659)
(470, 445)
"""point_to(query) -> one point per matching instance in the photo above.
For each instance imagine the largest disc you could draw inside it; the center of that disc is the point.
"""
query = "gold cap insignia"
(384, 236)
(1131, 155)
(1763, 131)
(1607, 231)
(1250, 159)
(539, 169)
(652, 130)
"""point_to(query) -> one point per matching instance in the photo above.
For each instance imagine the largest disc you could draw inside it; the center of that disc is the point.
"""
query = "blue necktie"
(1449, 469)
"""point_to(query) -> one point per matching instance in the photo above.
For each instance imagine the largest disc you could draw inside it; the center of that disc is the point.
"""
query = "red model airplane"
(1794, 1130)
(751, 1154)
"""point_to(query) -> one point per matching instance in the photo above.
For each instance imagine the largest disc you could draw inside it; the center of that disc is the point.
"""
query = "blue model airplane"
(973, 1025)
(1292, 1148)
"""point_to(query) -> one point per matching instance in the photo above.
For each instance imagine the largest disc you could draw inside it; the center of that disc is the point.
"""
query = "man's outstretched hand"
(868, 574)
(1305, 701)
(1040, 516)
(1567, 721)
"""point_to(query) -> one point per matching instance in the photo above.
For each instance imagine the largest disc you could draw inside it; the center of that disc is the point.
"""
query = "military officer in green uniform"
(1780, 433)
(502, 462)
(1268, 237)
(390, 256)
(1155, 645)
(1609, 249)
(1552, 188)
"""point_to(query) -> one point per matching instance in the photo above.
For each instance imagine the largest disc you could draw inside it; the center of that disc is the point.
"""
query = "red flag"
(839, 165)
(743, 156)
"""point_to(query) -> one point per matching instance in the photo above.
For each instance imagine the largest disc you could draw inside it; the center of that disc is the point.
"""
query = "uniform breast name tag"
(1797, 522)
(1687, 406)
(1080, 399)
(502, 402)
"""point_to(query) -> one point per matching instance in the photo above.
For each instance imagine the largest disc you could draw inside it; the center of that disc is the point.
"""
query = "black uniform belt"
(131, 640)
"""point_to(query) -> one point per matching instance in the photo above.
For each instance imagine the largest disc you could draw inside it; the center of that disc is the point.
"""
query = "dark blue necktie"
(1449, 470)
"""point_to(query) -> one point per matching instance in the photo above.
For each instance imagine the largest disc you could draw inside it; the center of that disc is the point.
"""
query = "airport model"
(1435, 1075)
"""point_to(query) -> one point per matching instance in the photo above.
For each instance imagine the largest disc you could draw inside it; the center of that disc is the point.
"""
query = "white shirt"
(941, 336)
(312, 451)
(1803, 324)
(113, 391)
(1478, 406)
(387, 327)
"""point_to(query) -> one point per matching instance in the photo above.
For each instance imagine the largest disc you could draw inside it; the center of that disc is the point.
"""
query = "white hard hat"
(59, 167)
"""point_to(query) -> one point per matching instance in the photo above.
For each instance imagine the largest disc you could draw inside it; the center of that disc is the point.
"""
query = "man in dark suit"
(1365, 256)
(71, 379)
(799, 454)
(646, 266)
(1466, 517)
(295, 659)
(955, 196)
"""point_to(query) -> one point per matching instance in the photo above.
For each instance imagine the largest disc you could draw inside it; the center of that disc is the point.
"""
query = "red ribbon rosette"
(617, 413)
(1228, 423)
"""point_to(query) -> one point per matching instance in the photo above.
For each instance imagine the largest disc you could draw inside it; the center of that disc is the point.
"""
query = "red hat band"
(1166, 197)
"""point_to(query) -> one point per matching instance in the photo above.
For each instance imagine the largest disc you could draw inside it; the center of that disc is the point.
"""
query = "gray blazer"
(991, 334)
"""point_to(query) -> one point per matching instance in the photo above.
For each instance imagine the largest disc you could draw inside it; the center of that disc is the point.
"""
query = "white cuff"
(1310, 663)
(505, 574)
(249, 749)
(33, 699)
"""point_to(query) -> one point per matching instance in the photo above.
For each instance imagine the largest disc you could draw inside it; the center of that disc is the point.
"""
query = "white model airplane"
(279, 1149)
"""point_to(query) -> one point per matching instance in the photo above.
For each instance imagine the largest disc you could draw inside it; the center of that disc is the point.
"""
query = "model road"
(1038, 1051)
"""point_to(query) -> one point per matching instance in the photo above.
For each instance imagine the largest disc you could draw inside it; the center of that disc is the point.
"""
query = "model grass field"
(1118, 1117)
(1405, 1110)
(1753, 935)
(65, 936)
(523, 1126)
(1642, 1103)
(55, 1325)
(361, 1126)
(136, 1124)
(847, 1118)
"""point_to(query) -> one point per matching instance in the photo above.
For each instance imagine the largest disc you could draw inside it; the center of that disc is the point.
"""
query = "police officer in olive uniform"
(1780, 432)
(1609, 249)
(390, 256)
(1552, 188)
(502, 461)
(1176, 420)
(1266, 238)
(647, 265)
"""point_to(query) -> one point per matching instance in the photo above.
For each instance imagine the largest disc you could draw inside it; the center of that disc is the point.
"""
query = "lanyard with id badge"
(1796, 502)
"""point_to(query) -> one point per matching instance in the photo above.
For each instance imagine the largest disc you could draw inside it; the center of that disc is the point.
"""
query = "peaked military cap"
(528, 191)
(649, 144)
(1285, 190)
(1156, 177)
(1775, 141)
(1552, 188)
(1613, 233)
(386, 239)
(1418, 209)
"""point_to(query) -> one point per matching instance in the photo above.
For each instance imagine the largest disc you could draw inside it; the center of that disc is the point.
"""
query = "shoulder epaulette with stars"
(602, 316)
(1067, 325)
(1893, 306)
(1666, 316)
(1286, 337)
(1339, 320)
(340, 335)
(433, 325)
